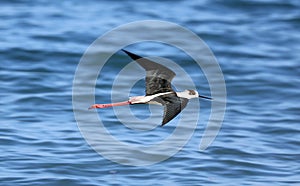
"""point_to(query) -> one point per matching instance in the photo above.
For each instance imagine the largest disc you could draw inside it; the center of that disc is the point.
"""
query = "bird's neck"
(186, 94)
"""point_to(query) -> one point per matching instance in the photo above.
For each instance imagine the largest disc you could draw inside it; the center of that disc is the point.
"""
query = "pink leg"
(109, 105)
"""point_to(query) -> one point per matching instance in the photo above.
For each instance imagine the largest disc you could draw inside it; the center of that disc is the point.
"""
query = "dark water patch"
(33, 55)
(260, 5)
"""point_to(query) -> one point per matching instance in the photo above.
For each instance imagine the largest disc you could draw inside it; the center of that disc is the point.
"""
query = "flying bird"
(158, 90)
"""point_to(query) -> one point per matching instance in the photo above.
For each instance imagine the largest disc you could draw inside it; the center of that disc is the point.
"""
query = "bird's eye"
(192, 92)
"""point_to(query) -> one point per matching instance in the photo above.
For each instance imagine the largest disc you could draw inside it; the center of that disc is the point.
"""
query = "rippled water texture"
(257, 44)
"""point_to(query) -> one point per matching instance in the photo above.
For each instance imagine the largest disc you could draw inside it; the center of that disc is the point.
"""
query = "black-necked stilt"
(158, 90)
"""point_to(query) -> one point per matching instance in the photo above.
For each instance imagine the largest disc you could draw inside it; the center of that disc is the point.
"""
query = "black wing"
(158, 77)
(173, 106)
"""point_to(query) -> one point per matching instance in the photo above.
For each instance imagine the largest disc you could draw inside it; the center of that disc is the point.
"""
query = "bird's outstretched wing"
(158, 77)
(173, 106)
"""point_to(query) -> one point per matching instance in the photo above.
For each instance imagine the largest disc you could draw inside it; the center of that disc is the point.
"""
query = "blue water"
(257, 44)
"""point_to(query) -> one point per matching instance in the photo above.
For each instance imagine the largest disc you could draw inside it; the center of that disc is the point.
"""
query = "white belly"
(146, 99)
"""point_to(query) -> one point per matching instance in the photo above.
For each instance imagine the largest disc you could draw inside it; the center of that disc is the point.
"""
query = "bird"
(158, 90)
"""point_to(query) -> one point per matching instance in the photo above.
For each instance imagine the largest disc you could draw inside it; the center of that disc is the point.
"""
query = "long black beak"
(205, 97)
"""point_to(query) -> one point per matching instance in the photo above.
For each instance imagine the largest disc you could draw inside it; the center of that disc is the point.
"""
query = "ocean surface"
(256, 43)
